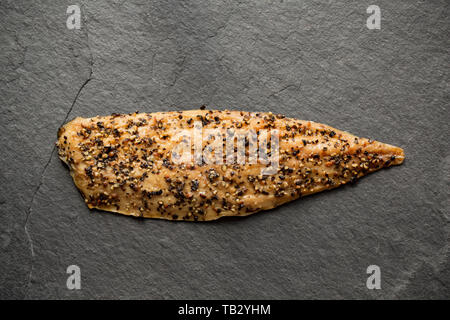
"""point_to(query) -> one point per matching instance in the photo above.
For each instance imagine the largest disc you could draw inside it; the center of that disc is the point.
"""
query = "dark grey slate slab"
(312, 60)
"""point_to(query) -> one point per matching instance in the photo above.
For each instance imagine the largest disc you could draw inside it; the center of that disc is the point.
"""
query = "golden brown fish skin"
(122, 163)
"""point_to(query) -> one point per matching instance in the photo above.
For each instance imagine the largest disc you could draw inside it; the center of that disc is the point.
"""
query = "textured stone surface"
(312, 60)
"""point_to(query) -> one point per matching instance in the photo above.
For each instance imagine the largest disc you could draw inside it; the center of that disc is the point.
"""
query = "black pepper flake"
(279, 193)
(166, 163)
(212, 175)
(116, 133)
(144, 165)
(149, 194)
(194, 185)
(98, 141)
(332, 134)
(204, 120)
(89, 172)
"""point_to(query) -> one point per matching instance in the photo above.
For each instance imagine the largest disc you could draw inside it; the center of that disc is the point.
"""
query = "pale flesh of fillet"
(125, 164)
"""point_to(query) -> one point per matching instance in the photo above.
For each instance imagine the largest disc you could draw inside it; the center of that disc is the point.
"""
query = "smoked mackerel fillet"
(125, 163)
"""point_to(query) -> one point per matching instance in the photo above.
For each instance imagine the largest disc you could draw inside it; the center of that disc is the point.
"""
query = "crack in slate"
(29, 211)
(153, 60)
(435, 261)
(275, 94)
(180, 70)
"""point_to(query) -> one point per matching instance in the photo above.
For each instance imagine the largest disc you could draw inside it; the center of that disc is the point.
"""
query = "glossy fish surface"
(233, 163)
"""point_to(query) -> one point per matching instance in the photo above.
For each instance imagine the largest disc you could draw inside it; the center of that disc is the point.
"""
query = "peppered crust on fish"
(124, 164)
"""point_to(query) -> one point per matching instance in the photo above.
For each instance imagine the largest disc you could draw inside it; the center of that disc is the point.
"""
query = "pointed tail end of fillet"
(391, 155)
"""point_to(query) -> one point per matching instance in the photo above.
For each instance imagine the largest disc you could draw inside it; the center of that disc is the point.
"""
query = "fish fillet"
(125, 164)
